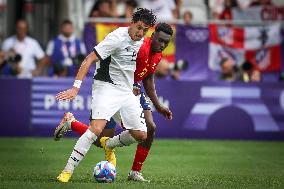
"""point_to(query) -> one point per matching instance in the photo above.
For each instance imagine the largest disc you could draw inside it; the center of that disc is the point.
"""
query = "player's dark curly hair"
(164, 28)
(144, 15)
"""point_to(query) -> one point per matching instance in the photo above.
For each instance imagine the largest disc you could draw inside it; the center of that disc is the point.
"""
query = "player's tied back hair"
(164, 28)
(144, 15)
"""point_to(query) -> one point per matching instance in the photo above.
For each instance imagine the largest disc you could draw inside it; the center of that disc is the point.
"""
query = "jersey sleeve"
(107, 46)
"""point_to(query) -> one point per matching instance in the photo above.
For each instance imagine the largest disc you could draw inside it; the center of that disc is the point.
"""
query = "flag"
(259, 45)
(103, 29)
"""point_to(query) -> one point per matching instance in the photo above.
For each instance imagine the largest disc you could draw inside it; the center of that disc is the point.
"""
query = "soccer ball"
(104, 171)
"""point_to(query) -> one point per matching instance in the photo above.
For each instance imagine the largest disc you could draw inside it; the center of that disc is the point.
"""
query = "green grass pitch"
(35, 163)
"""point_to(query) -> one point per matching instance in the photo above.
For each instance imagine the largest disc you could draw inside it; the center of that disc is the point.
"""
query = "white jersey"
(117, 54)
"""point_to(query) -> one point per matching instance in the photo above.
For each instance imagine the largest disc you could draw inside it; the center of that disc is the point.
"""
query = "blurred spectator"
(178, 7)
(248, 73)
(163, 68)
(28, 49)
(261, 2)
(243, 4)
(229, 72)
(216, 7)
(227, 12)
(102, 8)
(9, 63)
(198, 10)
(177, 68)
(187, 17)
(130, 6)
(166, 69)
(165, 9)
(66, 52)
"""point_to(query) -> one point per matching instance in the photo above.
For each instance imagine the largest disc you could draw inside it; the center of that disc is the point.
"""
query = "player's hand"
(165, 112)
(69, 94)
(136, 91)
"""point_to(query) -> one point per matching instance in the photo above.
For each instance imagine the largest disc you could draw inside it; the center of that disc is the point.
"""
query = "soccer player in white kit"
(112, 89)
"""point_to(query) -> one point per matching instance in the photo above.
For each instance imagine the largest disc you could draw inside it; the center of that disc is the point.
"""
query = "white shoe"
(64, 126)
(136, 176)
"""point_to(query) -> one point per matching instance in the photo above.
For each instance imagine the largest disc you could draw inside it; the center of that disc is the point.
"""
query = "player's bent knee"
(96, 130)
(97, 126)
(140, 136)
(143, 136)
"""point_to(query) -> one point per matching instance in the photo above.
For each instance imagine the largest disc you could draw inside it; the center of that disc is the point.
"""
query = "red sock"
(140, 157)
(79, 127)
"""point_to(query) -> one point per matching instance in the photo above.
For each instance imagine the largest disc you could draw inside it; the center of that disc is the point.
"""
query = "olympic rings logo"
(197, 35)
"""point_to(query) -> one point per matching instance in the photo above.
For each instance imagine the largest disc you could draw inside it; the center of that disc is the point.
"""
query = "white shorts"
(109, 100)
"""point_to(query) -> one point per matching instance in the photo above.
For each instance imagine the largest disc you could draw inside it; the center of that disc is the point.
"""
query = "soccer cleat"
(136, 176)
(109, 153)
(64, 176)
(64, 126)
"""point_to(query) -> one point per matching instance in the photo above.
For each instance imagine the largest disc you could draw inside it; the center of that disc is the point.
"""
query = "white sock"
(80, 150)
(123, 139)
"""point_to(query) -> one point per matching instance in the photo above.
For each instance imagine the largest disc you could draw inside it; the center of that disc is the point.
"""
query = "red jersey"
(146, 61)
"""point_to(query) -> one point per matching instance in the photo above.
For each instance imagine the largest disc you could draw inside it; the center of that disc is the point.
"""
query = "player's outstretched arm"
(71, 93)
(149, 86)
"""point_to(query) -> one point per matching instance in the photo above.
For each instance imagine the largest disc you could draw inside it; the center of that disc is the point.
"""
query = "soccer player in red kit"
(148, 57)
